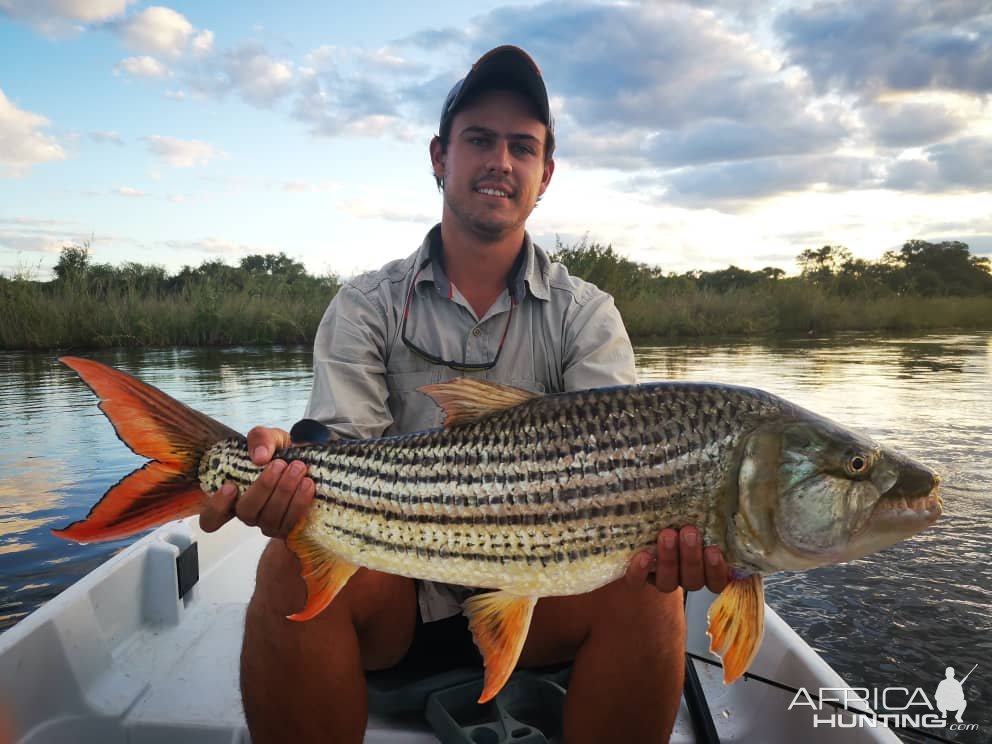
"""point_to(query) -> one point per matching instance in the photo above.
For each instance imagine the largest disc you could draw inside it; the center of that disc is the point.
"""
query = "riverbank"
(39, 317)
(272, 300)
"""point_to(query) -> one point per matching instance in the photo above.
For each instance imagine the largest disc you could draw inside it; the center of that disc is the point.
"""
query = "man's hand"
(681, 561)
(275, 502)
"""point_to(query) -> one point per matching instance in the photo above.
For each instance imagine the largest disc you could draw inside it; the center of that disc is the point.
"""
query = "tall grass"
(792, 307)
(271, 300)
(73, 314)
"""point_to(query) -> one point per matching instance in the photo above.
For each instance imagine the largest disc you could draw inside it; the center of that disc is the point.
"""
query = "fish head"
(811, 493)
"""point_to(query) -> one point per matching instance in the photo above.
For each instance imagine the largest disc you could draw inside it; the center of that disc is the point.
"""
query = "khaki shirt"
(564, 334)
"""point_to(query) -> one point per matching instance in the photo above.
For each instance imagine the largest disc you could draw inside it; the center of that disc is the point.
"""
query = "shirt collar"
(530, 274)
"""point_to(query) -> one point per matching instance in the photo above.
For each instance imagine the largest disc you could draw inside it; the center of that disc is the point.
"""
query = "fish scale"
(486, 503)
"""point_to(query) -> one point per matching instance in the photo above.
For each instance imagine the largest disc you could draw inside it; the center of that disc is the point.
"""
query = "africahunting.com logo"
(892, 707)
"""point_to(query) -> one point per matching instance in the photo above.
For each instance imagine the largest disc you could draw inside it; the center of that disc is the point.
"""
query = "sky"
(691, 135)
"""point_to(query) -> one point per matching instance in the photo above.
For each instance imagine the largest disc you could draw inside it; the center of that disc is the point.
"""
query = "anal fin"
(499, 622)
(736, 624)
(324, 573)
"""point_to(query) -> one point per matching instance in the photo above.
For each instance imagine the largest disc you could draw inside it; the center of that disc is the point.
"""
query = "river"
(894, 619)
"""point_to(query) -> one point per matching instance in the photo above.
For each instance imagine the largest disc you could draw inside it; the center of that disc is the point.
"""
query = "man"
(477, 298)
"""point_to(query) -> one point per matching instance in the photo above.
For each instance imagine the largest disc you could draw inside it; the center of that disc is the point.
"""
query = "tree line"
(271, 299)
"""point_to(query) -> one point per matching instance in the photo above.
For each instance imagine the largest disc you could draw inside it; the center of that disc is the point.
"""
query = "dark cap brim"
(505, 67)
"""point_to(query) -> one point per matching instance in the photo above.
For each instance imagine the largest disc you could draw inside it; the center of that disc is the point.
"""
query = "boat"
(144, 650)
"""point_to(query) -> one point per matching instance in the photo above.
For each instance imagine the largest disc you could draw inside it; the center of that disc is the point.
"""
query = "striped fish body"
(550, 497)
(537, 496)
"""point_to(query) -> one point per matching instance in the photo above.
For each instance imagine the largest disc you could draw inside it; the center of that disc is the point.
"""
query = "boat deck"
(120, 659)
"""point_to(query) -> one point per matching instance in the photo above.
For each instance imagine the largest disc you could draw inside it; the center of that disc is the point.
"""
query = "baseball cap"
(505, 66)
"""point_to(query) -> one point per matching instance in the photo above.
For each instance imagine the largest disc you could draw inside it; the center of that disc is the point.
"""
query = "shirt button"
(476, 332)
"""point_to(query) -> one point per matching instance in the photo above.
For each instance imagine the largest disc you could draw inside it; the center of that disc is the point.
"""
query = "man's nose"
(499, 158)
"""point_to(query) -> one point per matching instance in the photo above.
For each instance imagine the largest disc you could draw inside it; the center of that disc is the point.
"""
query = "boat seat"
(527, 710)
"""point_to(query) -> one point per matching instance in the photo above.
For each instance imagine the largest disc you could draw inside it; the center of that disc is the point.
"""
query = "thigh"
(561, 625)
(381, 608)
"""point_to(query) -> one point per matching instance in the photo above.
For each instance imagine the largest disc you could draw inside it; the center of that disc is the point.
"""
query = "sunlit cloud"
(22, 143)
(181, 153)
(144, 66)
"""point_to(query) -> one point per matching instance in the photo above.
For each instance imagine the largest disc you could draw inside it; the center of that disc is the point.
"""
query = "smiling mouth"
(489, 191)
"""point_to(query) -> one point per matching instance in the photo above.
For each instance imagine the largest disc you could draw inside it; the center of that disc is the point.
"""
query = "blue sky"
(692, 135)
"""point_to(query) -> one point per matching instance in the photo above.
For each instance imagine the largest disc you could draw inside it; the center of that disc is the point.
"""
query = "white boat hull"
(119, 659)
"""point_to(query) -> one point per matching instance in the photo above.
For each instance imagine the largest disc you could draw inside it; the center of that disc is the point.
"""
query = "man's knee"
(378, 609)
(562, 625)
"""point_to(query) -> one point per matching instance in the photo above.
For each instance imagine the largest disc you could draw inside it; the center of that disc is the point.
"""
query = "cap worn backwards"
(505, 67)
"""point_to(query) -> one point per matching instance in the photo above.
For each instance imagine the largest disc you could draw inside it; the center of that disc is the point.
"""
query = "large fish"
(535, 496)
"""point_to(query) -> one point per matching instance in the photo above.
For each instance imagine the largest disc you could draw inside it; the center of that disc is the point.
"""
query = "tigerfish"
(542, 495)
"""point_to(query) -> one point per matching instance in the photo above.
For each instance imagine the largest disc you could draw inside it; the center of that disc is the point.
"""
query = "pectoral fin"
(736, 624)
(499, 623)
(324, 573)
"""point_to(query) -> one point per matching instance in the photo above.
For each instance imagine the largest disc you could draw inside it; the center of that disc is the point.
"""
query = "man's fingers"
(638, 569)
(297, 508)
(717, 572)
(270, 516)
(667, 571)
(691, 559)
(250, 504)
(264, 441)
(219, 508)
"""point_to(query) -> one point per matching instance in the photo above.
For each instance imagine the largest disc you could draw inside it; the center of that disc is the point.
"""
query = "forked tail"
(154, 425)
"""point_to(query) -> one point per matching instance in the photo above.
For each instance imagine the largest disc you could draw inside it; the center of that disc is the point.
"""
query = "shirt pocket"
(413, 410)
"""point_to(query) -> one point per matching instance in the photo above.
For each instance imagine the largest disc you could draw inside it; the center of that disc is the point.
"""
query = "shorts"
(438, 647)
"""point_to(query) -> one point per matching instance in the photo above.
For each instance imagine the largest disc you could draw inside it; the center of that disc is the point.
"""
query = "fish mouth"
(913, 502)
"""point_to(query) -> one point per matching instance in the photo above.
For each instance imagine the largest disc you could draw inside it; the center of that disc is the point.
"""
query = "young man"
(478, 298)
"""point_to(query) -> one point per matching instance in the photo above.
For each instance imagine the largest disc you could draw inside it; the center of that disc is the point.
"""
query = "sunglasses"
(462, 366)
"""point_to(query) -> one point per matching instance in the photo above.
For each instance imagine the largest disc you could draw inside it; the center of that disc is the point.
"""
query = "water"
(897, 618)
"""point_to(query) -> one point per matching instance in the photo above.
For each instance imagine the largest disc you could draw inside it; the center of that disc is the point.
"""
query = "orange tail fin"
(158, 427)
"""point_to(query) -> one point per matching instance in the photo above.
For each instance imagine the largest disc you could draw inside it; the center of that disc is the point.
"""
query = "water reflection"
(896, 618)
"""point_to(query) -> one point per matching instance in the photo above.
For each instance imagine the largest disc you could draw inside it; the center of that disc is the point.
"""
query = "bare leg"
(305, 681)
(628, 645)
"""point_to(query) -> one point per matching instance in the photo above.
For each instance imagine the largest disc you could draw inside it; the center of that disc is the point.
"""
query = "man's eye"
(479, 141)
(523, 150)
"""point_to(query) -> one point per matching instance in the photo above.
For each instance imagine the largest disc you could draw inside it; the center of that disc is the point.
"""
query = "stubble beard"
(489, 230)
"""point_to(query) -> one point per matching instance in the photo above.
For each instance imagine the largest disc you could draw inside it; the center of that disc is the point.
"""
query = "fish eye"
(857, 464)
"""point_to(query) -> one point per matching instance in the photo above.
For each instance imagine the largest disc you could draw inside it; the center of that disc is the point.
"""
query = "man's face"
(494, 167)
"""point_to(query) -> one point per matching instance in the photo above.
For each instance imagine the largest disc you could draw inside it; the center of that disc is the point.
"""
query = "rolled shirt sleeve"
(596, 350)
(349, 392)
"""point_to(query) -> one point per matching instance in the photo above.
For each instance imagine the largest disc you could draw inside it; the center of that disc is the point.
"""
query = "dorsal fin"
(465, 399)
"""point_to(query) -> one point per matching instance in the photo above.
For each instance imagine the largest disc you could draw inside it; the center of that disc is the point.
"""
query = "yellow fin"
(464, 399)
(324, 574)
(736, 624)
(499, 623)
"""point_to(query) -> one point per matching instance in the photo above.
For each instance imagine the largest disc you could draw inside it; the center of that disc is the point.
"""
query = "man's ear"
(549, 169)
(437, 157)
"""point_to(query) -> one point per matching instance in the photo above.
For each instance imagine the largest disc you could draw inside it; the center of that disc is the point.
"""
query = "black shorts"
(439, 647)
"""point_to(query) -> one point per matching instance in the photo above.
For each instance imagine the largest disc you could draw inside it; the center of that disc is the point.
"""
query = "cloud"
(374, 210)
(157, 30)
(22, 144)
(112, 138)
(203, 42)
(732, 186)
(911, 124)
(260, 79)
(144, 66)
(47, 236)
(129, 191)
(59, 18)
(964, 164)
(182, 153)
(880, 45)
(217, 247)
